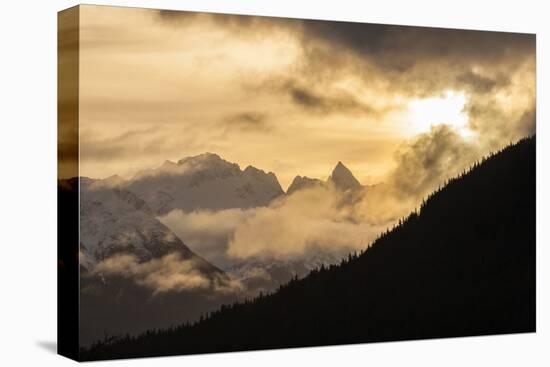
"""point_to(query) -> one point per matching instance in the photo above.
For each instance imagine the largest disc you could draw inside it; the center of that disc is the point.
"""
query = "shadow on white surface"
(50, 346)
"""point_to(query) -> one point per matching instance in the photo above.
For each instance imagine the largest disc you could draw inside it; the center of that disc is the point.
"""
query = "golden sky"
(290, 96)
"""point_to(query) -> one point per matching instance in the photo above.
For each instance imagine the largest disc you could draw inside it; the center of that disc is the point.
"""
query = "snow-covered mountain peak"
(204, 181)
(204, 159)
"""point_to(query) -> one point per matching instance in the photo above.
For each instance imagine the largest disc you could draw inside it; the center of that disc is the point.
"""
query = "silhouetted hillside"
(463, 265)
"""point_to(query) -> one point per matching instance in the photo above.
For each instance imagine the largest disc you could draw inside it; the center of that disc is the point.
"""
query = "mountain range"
(204, 181)
(341, 178)
(120, 217)
(461, 265)
(118, 212)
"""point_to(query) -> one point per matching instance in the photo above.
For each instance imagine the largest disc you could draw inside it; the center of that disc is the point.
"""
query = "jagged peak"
(301, 182)
(200, 158)
(252, 169)
(342, 177)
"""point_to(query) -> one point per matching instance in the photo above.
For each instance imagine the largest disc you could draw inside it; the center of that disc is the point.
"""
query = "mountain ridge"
(206, 182)
(341, 178)
(464, 264)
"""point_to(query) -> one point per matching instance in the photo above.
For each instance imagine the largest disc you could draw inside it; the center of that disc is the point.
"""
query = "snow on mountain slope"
(115, 221)
(204, 181)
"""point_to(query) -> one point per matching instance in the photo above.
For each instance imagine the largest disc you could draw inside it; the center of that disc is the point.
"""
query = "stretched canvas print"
(233, 183)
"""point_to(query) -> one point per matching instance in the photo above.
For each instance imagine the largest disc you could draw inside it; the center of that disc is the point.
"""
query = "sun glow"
(446, 109)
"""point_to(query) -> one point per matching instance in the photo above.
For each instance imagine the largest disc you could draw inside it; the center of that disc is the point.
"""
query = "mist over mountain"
(114, 221)
(327, 182)
(131, 257)
(463, 264)
(135, 273)
(205, 182)
(201, 187)
(237, 239)
(254, 248)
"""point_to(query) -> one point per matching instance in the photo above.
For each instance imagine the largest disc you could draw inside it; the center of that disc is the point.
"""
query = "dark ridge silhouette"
(461, 265)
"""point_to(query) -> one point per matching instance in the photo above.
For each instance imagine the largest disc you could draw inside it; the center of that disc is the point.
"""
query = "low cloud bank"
(306, 224)
(208, 232)
(323, 218)
(165, 274)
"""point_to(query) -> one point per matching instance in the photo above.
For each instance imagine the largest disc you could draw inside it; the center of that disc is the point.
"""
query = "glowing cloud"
(445, 109)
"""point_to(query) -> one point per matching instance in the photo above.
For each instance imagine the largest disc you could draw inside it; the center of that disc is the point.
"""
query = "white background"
(28, 183)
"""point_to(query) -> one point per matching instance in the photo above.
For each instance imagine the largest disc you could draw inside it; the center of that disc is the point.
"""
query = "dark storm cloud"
(405, 60)
(176, 16)
(392, 48)
(425, 69)
(340, 102)
(420, 62)
(494, 70)
(319, 101)
(416, 44)
(414, 60)
(241, 25)
(480, 83)
(497, 127)
(425, 162)
(247, 121)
